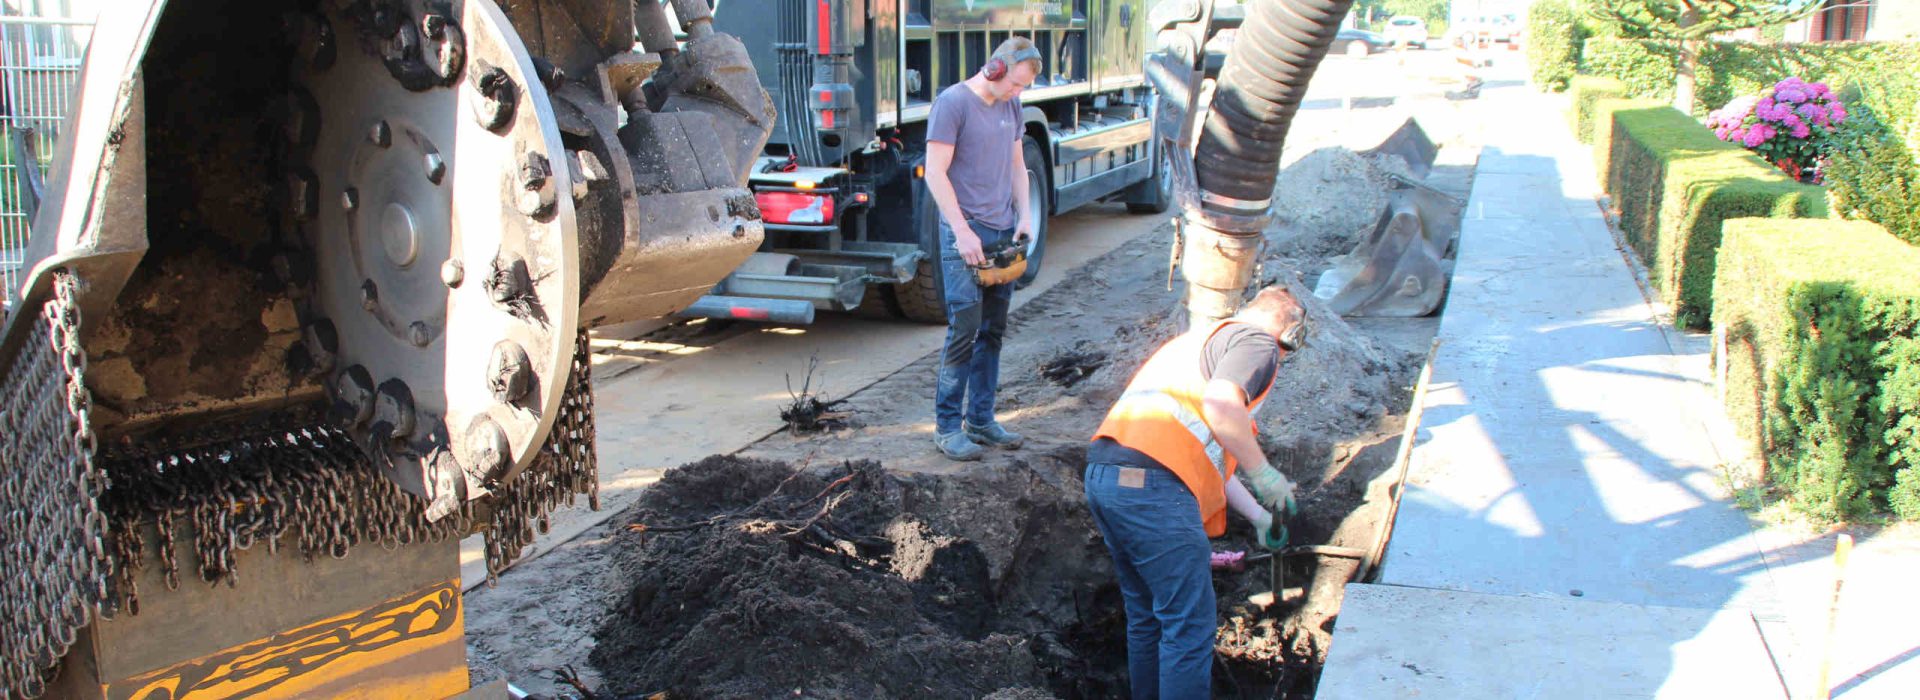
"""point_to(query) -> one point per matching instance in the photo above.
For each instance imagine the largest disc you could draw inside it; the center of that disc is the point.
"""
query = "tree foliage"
(1682, 20)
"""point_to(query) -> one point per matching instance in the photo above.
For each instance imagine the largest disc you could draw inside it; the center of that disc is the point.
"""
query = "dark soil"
(753, 579)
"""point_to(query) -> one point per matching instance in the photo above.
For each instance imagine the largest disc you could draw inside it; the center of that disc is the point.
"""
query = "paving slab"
(1400, 642)
(1562, 448)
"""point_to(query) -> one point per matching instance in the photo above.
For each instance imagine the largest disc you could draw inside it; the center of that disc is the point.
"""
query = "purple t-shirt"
(983, 138)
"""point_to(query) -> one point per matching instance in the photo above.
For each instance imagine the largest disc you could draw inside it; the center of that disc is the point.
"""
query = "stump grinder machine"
(315, 276)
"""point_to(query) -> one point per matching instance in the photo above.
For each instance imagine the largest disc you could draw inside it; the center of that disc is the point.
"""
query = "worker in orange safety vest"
(1160, 477)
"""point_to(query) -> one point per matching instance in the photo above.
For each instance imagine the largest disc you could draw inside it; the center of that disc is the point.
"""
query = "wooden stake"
(1840, 552)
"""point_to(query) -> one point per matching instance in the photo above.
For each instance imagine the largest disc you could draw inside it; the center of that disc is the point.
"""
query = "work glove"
(1270, 488)
(1270, 530)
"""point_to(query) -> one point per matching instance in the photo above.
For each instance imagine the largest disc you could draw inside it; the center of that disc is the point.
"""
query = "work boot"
(957, 447)
(993, 434)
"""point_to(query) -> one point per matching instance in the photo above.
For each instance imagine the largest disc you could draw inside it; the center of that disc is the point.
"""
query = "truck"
(847, 217)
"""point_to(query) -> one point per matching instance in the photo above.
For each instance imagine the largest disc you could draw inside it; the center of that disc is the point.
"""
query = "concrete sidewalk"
(1568, 453)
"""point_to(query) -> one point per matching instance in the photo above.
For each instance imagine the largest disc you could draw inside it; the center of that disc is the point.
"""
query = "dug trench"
(856, 562)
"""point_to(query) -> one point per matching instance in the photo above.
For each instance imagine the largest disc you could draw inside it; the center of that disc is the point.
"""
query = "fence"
(39, 66)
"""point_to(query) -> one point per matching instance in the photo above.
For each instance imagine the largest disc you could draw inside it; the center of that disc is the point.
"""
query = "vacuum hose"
(1237, 157)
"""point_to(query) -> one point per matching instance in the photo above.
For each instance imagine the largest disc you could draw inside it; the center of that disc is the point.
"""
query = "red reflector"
(861, 198)
(826, 95)
(751, 314)
(826, 26)
(794, 207)
(826, 119)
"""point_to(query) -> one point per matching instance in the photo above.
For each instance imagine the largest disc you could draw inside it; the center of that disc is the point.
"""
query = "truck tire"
(922, 298)
(1153, 195)
(1037, 202)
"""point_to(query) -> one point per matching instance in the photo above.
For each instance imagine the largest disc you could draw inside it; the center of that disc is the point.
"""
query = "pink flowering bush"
(1787, 124)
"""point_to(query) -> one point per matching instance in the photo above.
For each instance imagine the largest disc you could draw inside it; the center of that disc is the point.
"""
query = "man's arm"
(1223, 404)
(1019, 179)
(939, 157)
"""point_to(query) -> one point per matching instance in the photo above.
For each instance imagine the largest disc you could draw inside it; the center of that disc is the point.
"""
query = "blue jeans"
(976, 323)
(1159, 545)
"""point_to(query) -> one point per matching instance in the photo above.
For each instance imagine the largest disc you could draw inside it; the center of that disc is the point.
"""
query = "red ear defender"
(995, 69)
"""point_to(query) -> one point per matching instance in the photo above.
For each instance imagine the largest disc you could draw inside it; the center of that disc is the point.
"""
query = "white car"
(1410, 31)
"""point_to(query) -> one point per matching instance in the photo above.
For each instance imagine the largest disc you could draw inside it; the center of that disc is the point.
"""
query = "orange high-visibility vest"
(1160, 415)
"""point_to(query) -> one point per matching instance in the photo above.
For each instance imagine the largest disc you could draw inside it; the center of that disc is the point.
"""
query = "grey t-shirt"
(983, 138)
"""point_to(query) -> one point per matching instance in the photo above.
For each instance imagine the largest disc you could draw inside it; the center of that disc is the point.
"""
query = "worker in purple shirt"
(974, 160)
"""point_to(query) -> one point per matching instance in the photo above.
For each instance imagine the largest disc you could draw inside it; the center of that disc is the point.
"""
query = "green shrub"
(1820, 329)
(1553, 43)
(1583, 92)
(1645, 66)
(1600, 131)
(1878, 73)
(1674, 183)
(1871, 176)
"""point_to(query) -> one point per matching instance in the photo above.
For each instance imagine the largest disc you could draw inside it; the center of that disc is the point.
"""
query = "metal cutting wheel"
(424, 174)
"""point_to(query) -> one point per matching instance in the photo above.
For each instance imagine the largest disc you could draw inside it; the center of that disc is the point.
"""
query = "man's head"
(1021, 62)
(1275, 310)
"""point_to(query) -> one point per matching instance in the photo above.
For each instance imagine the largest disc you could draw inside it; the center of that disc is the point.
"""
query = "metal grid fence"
(39, 66)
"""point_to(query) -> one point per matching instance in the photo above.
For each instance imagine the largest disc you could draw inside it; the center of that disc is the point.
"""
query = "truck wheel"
(1037, 189)
(1154, 194)
(922, 298)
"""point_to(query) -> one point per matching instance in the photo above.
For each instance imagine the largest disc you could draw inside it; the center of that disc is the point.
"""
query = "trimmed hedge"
(1554, 36)
(1819, 327)
(1674, 183)
(1585, 91)
(1600, 133)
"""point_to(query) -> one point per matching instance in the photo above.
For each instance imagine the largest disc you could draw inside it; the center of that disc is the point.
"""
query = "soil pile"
(1324, 203)
(755, 579)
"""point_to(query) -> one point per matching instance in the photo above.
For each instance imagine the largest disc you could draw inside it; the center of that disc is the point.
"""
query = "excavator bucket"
(1400, 268)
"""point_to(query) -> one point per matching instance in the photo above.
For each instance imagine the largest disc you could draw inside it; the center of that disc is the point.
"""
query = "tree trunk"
(1683, 79)
(1689, 61)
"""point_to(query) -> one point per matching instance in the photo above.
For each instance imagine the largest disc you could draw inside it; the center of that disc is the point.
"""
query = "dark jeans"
(1160, 555)
(976, 323)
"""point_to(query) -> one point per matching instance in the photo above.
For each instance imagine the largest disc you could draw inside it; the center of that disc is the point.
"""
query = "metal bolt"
(394, 408)
(453, 273)
(536, 197)
(323, 344)
(369, 295)
(317, 41)
(509, 372)
(302, 192)
(380, 134)
(419, 334)
(509, 280)
(353, 395)
(486, 447)
(350, 199)
(436, 168)
(494, 95)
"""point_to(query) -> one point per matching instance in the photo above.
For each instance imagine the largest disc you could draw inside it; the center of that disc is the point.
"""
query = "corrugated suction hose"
(1260, 87)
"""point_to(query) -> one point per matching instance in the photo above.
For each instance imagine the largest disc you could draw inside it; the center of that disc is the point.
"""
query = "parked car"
(1493, 28)
(1359, 42)
(1411, 31)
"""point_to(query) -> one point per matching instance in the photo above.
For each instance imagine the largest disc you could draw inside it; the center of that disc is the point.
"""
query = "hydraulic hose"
(1261, 85)
(1237, 157)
